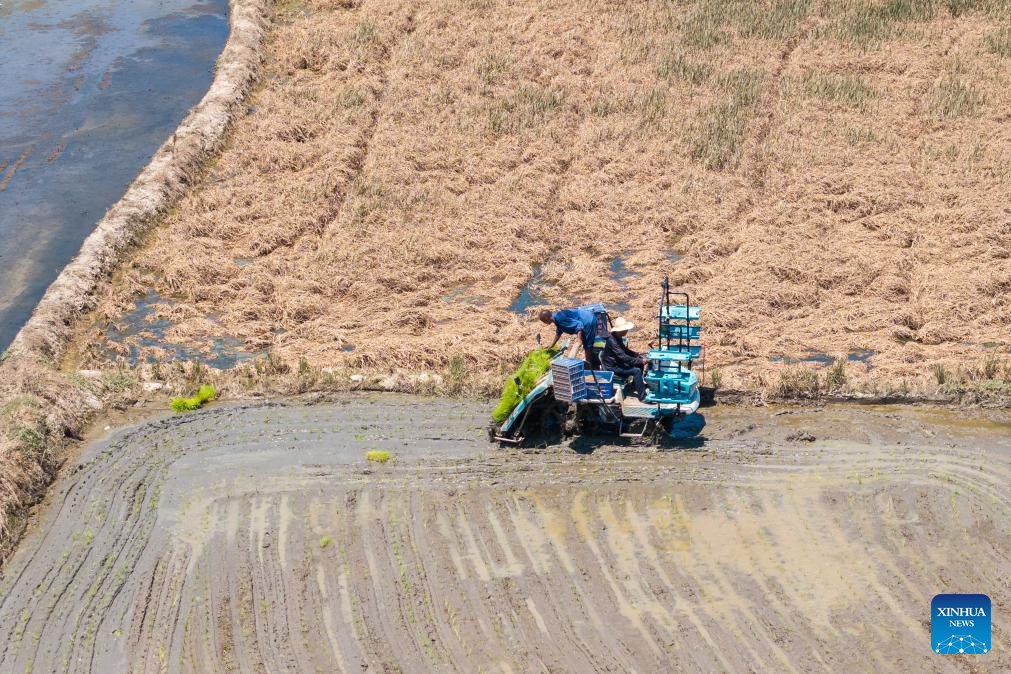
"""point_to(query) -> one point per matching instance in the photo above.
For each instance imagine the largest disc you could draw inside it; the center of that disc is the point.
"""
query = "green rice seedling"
(325, 541)
(378, 455)
(204, 394)
(953, 98)
(716, 378)
(533, 367)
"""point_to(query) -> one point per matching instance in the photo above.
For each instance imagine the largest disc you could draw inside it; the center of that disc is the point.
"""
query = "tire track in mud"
(254, 538)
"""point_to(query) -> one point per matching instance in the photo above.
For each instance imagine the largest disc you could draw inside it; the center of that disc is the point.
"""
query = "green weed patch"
(533, 368)
(204, 394)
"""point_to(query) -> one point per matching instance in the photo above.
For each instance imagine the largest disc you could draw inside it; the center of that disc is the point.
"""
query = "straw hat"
(621, 325)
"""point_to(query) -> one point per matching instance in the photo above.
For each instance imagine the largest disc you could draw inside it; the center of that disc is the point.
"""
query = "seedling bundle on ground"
(203, 395)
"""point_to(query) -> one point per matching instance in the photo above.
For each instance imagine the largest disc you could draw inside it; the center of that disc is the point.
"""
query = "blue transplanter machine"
(573, 400)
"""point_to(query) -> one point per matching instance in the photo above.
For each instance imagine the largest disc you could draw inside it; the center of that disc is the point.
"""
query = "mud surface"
(91, 89)
(256, 538)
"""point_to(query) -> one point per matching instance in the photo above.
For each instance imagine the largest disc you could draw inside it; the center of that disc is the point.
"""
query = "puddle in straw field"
(530, 294)
(143, 331)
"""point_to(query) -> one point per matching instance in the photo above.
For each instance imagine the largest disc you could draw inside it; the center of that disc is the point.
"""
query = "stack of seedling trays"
(568, 379)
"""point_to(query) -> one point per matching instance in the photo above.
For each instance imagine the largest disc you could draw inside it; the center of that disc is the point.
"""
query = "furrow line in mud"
(428, 574)
(586, 592)
(84, 556)
(470, 613)
(558, 607)
(241, 539)
(782, 597)
(388, 570)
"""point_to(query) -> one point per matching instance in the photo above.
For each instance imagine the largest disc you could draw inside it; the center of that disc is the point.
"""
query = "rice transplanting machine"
(573, 400)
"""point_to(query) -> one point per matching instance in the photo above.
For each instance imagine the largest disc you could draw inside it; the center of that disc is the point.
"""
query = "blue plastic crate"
(603, 387)
(567, 366)
(567, 379)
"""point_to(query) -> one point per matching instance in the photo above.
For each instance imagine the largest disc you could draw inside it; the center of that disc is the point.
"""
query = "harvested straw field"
(828, 179)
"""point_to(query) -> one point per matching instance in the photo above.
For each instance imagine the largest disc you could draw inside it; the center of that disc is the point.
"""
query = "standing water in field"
(91, 89)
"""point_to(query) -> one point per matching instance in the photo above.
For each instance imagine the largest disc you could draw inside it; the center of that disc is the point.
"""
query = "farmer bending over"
(574, 322)
(621, 360)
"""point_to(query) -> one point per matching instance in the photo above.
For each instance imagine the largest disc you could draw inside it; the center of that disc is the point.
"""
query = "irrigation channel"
(91, 89)
(255, 537)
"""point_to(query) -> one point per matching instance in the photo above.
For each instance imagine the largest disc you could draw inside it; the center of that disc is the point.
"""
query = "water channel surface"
(89, 89)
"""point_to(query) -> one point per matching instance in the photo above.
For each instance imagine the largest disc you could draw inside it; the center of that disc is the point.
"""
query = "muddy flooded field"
(257, 538)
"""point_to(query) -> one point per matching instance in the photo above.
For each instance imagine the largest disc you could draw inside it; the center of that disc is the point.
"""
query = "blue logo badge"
(960, 623)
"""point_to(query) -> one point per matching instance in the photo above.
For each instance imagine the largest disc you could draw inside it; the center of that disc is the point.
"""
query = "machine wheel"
(586, 420)
(544, 422)
(553, 421)
(571, 422)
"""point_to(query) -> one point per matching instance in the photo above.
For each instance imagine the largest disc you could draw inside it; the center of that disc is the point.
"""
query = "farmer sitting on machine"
(582, 322)
(621, 360)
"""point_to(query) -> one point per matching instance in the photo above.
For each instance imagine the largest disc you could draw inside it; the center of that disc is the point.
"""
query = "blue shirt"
(571, 321)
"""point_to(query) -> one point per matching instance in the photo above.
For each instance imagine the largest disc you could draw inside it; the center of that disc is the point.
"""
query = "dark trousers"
(636, 374)
(592, 357)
